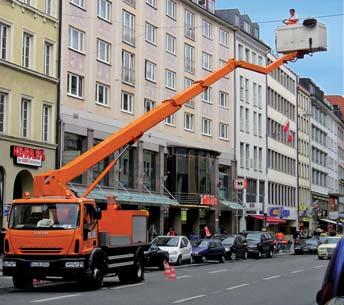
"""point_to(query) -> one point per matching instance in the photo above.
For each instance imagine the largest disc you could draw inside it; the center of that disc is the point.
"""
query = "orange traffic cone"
(170, 272)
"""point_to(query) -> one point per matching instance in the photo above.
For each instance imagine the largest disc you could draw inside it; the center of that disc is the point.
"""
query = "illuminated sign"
(27, 156)
(210, 200)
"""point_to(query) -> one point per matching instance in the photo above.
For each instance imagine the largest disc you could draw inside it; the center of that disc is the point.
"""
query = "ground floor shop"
(20, 161)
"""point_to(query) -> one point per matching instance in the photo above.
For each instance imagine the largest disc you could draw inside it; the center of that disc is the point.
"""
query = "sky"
(326, 69)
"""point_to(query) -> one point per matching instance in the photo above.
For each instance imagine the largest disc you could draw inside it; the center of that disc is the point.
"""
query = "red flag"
(290, 137)
(286, 126)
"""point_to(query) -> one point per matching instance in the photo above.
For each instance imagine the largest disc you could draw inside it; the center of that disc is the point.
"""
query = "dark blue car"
(333, 285)
(205, 249)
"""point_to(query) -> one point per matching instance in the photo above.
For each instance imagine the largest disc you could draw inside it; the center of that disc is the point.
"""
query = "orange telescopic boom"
(55, 182)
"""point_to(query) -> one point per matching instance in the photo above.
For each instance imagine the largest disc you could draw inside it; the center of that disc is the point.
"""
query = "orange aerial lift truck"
(54, 233)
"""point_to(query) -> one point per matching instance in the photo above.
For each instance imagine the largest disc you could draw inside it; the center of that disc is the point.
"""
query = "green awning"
(232, 205)
(101, 194)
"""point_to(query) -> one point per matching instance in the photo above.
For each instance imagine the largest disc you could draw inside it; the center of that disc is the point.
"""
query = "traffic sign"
(240, 184)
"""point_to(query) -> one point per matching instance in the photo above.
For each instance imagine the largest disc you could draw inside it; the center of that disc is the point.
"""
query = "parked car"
(307, 246)
(178, 247)
(332, 290)
(326, 249)
(235, 246)
(155, 257)
(259, 244)
(208, 249)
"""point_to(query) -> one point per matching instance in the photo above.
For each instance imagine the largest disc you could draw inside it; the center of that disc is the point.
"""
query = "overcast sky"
(325, 68)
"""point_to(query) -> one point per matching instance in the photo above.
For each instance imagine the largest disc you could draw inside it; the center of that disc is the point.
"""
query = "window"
(206, 95)
(103, 51)
(127, 102)
(27, 50)
(260, 130)
(171, 120)
(4, 31)
(148, 105)
(242, 148)
(223, 102)
(170, 44)
(46, 119)
(206, 127)
(223, 131)
(247, 120)
(74, 85)
(242, 88)
(260, 101)
(25, 118)
(171, 9)
(150, 33)
(255, 158)
(170, 79)
(188, 83)
(189, 58)
(247, 156)
(128, 33)
(3, 117)
(242, 118)
(102, 94)
(189, 29)
(224, 38)
(76, 39)
(128, 68)
(246, 27)
(241, 52)
(188, 121)
(150, 71)
(247, 88)
(260, 159)
(104, 9)
(254, 123)
(247, 55)
(80, 3)
(206, 29)
(48, 53)
(151, 2)
(207, 61)
(254, 94)
(48, 7)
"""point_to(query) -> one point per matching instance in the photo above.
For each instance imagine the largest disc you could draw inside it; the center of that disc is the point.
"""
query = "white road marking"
(183, 276)
(55, 298)
(297, 271)
(189, 299)
(235, 287)
(271, 277)
(128, 286)
(217, 271)
(316, 267)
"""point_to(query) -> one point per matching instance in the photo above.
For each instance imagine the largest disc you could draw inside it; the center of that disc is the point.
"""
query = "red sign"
(210, 200)
(27, 156)
(240, 184)
(207, 231)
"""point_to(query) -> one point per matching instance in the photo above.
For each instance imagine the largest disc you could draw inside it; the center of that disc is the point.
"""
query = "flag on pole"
(285, 127)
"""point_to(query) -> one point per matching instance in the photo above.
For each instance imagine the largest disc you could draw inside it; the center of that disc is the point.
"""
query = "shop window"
(149, 170)
(99, 168)
(126, 169)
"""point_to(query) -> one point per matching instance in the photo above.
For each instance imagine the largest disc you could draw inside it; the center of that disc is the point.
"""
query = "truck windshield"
(52, 216)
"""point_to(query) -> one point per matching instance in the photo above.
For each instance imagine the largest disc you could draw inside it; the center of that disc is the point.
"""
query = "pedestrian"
(293, 19)
(171, 232)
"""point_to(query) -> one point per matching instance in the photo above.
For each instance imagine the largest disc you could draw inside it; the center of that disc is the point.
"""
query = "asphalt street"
(285, 279)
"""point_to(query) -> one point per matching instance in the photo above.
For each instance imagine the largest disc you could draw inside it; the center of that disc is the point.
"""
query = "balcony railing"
(128, 75)
(128, 35)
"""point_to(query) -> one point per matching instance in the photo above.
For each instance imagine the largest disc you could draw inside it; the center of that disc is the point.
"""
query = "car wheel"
(245, 255)
(191, 261)
(259, 255)
(233, 256)
(271, 253)
(179, 260)
(204, 259)
(163, 263)
(321, 258)
(222, 259)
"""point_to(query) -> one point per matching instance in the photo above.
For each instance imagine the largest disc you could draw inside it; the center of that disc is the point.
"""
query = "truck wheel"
(137, 272)
(22, 282)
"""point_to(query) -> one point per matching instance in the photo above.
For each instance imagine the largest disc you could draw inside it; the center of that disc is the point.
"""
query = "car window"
(253, 236)
(166, 241)
(228, 241)
(185, 242)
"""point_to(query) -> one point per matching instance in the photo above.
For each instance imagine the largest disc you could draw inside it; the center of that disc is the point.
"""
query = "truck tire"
(22, 282)
(137, 272)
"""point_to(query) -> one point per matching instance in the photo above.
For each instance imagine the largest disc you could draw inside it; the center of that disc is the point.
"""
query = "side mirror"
(97, 213)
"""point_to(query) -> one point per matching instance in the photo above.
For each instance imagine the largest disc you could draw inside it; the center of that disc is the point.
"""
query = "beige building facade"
(29, 32)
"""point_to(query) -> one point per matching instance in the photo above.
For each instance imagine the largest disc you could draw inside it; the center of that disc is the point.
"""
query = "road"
(277, 281)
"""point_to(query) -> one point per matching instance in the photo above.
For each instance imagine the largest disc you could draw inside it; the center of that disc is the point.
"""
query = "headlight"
(9, 264)
(74, 264)
(174, 253)
(228, 249)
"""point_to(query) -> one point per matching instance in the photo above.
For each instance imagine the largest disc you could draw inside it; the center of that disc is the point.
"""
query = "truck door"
(89, 228)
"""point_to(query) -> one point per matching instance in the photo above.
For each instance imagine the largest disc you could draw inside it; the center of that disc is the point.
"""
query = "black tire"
(179, 260)
(245, 255)
(22, 282)
(320, 257)
(233, 256)
(191, 261)
(259, 254)
(222, 259)
(204, 259)
(271, 253)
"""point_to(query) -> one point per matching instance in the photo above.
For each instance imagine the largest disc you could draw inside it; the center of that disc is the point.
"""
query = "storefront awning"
(269, 219)
(101, 194)
(328, 220)
(232, 205)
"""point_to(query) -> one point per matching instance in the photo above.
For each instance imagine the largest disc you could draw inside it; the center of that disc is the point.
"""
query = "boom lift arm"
(55, 182)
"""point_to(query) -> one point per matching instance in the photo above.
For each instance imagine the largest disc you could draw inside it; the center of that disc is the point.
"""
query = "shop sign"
(240, 184)
(279, 212)
(27, 156)
(210, 200)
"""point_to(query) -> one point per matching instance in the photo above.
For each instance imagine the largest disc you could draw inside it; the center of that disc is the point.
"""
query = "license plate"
(40, 264)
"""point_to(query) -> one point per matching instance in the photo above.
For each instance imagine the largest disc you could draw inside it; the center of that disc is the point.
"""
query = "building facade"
(121, 60)
(282, 150)
(29, 36)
